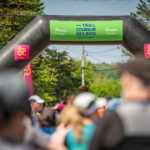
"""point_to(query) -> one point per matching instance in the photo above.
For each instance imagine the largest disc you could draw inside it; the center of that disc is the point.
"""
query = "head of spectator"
(63, 101)
(48, 120)
(60, 106)
(108, 98)
(101, 102)
(14, 107)
(36, 103)
(82, 89)
(85, 103)
(102, 105)
(135, 79)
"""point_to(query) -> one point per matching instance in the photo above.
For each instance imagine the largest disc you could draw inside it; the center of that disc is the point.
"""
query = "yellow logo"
(27, 71)
(21, 51)
(148, 50)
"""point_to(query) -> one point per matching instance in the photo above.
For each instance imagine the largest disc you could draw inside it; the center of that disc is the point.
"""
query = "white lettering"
(60, 30)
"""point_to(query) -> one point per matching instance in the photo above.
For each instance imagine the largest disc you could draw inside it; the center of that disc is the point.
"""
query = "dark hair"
(108, 98)
(48, 117)
(82, 89)
(140, 68)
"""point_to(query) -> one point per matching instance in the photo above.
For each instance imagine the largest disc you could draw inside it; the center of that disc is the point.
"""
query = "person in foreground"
(14, 107)
(128, 127)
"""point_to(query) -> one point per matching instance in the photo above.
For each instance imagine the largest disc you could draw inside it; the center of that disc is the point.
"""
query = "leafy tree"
(44, 80)
(53, 75)
(143, 12)
(56, 76)
(109, 87)
(15, 15)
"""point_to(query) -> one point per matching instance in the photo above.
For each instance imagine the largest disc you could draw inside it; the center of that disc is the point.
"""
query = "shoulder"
(109, 117)
(135, 118)
(109, 130)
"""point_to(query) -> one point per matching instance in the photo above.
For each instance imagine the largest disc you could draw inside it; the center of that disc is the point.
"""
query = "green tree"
(53, 75)
(56, 76)
(15, 15)
(109, 87)
(143, 12)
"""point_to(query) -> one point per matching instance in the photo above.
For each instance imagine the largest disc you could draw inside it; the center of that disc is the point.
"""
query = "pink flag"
(147, 50)
(27, 77)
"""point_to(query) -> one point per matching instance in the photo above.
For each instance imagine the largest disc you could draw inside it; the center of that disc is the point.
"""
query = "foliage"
(15, 15)
(143, 12)
(56, 76)
(109, 74)
(109, 87)
(106, 81)
(53, 75)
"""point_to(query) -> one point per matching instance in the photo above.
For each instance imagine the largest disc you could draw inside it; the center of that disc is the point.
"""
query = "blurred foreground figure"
(128, 127)
(14, 107)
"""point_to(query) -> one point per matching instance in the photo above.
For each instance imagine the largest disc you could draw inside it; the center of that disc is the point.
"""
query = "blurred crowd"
(83, 121)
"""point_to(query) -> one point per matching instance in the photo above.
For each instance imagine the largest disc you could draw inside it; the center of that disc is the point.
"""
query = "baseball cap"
(101, 102)
(36, 99)
(13, 95)
(85, 103)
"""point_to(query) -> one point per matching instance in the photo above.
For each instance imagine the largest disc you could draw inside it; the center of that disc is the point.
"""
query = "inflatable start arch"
(93, 30)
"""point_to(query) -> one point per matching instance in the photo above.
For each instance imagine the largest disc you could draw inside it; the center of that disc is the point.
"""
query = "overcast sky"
(96, 54)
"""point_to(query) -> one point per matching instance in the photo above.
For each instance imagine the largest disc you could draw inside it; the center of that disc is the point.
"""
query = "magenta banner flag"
(147, 50)
(27, 77)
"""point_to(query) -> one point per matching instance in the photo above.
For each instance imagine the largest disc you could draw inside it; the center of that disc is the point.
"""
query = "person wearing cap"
(128, 126)
(36, 105)
(80, 117)
(102, 104)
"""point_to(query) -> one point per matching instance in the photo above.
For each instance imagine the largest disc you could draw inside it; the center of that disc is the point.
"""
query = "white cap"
(101, 102)
(85, 103)
(36, 99)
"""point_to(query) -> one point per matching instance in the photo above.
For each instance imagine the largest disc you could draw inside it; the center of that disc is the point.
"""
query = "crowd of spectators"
(83, 121)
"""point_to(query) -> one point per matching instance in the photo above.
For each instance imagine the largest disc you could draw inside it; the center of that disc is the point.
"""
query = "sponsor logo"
(60, 31)
(21, 52)
(147, 50)
(111, 31)
(27, 70)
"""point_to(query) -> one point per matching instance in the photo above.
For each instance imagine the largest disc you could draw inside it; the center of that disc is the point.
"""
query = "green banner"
(86, 30)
